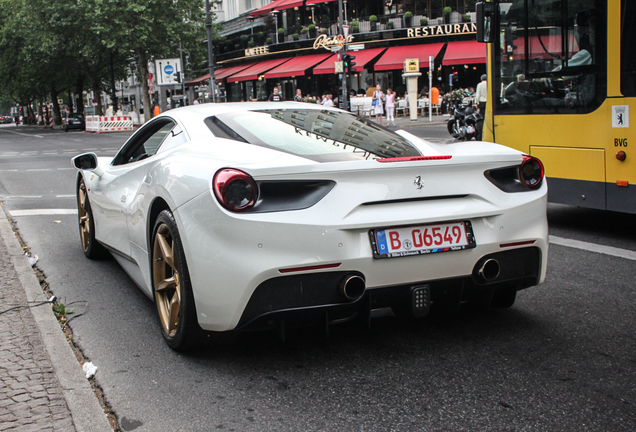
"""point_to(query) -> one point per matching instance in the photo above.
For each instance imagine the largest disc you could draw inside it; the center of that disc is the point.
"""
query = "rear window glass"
(320, 135)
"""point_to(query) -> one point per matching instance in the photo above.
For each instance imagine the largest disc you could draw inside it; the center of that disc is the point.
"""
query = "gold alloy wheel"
(166, 280)
(83, 215)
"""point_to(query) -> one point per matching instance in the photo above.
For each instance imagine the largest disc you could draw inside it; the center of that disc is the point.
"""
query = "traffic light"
(348, 63)
(177, 77)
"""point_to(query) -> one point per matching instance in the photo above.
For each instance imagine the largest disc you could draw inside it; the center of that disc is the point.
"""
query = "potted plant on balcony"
(325, 31)
(374, 22)
(243, 39)
(312, 30)
(408, 18)
(260, 36)
(268, 41)
(250, 44)
(447, 11)
(389, 25)
(466, 18)
(355, 26)
(423, 21)
(295, 36)
(281, 34)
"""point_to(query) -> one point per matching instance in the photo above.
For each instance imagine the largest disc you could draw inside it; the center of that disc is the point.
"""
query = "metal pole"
(342, 53)
(208, 24)
(431, 65)
(275, 13)
(182, 74)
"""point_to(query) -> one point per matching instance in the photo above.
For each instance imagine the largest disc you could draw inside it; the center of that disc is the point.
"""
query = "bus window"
(628, 48)
(552, 56)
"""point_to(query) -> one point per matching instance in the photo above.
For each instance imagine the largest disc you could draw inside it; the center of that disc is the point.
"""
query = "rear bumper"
(297, 297)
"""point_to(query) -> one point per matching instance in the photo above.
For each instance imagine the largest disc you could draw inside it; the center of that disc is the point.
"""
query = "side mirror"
(87, 161)
(485, 21)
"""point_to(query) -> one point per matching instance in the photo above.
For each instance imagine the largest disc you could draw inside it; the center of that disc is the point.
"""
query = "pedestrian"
(196, 101)
(299, 96)
(390, 107)
(275, 97)
(406, 103)
(17, 120)
(376, 102)
(435, 97)
(328, 100)
(481, 94)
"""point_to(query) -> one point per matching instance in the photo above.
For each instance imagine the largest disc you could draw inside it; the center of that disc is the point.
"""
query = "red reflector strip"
(622, 183)
(316, 267)
(505, 245)
(414, 158)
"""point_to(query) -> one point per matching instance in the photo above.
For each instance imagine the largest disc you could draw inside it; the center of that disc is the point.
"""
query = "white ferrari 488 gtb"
(257, 215)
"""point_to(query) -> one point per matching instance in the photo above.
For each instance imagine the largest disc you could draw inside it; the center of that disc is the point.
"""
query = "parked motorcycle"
(465, 123)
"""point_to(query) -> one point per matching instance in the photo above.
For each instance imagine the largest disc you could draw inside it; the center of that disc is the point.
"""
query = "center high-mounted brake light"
(234, 189)
(413, 158)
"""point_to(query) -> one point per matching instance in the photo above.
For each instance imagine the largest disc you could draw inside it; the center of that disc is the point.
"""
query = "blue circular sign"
(168, 69)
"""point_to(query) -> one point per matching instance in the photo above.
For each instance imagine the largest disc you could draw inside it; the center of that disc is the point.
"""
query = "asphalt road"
(563, 358)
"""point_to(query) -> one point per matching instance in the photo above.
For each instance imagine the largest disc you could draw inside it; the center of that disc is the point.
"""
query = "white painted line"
(591, 247)
(13, 170)
(42, 212)
(18, 133)
(65, 196)
(24, 196)
(63, 169)
(39, 169)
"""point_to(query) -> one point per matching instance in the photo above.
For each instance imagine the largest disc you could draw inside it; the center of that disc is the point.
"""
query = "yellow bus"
(561, 87)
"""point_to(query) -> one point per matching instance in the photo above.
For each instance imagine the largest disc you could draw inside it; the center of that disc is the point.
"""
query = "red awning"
(394, 57)
(198, 81)
(226, 72)
(288, 4)
(362, 57)
(264, 10)
(296, 66)
(252, 72)
(464, 52)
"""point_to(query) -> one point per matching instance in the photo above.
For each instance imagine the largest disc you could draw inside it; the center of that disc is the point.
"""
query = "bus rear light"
(623, 183)
(531, 172)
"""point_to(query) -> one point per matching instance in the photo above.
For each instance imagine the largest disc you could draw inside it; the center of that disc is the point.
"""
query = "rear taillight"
(531, 172)
(234, 189)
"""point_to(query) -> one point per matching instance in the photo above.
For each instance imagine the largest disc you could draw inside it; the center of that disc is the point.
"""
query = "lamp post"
(275, 15)
(208, 24)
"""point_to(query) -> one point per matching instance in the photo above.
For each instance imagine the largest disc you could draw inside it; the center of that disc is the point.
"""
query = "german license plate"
(422, 239)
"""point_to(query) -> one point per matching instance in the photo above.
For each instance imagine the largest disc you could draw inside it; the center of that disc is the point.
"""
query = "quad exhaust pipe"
(352, 287)
(489, 270)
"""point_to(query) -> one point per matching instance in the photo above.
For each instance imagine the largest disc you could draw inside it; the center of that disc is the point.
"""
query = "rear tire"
(92, 248)
(172, 289)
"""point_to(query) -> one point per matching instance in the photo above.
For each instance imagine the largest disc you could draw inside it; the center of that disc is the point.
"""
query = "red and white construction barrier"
(101, 124)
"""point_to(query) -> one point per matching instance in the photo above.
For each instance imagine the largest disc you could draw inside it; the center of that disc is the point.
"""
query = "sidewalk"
(406, 122)
(42, 385)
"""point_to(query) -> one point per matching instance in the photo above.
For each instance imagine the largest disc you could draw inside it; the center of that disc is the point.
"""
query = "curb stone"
(87, 413)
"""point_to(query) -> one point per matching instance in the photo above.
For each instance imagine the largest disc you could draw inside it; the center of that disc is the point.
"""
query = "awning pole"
(431, 65)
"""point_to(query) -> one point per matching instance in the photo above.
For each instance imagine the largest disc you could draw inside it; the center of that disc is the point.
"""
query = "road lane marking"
(42, 212)
(18, 133)
(65, 196)
(592, 247)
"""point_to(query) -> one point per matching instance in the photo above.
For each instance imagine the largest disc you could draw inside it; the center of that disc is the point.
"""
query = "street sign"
(339, 67)
(355, 47)
(166, 70)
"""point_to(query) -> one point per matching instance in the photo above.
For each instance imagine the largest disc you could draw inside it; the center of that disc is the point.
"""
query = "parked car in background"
(75, 121)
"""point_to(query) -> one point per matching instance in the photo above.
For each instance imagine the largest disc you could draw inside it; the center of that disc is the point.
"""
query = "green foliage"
(447, 10)
(408, 15)
(260, 35)
(295, 36)
(373, 18)
(355, 24)
(237, 46)
(244, 38)
(311, 27)
(423, 21)
(304, 30)
(250, 44)
(325, 31)
(389, 25)
(268, 41)
(281, 31)
(466, 17)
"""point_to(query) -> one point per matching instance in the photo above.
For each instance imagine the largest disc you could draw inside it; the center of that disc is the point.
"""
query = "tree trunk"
(57, 118)
(112, 85)
(143, 71)
(97, 95)
(79, 91)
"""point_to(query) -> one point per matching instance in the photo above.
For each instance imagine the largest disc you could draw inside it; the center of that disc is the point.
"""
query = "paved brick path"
(31, 398)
